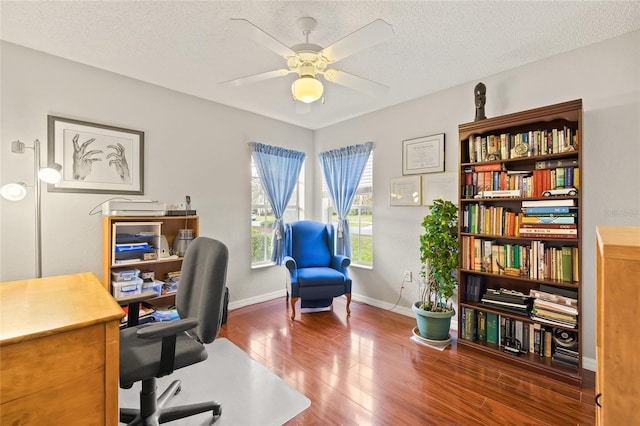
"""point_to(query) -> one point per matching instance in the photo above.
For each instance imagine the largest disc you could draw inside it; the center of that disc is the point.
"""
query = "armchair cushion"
(319, 276)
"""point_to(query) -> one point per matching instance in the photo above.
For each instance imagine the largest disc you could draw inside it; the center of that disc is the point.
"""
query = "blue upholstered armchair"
(317, 274)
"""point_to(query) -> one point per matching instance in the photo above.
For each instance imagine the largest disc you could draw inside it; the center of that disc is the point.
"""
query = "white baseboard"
(587, 363)
(257, 299)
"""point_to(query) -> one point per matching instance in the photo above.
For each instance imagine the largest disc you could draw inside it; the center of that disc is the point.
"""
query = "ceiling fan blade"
(250, 79)
(367, 36)
(262, 37)
(354, 82)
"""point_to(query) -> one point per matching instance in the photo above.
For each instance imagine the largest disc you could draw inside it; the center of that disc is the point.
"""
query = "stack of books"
(552, 308)
(510, 301)
(553, 218)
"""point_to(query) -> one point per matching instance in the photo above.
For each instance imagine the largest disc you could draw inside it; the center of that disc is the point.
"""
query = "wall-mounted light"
(307, 89)
(17, 191)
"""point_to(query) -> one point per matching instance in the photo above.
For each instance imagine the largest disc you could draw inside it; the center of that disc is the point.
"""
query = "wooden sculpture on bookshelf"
(480, 93)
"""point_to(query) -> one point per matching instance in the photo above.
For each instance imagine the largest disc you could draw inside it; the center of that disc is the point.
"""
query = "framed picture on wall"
(96, 158)
(405, 191)
(423, 155)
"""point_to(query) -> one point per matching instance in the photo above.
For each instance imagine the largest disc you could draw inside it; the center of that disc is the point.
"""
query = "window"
(360, 217)
(262, 217)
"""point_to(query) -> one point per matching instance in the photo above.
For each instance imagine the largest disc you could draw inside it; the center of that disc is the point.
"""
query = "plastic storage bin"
(154, 285)
(126, 288)
(125, 275)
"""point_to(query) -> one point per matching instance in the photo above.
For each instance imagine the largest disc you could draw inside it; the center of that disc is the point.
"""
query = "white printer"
(134, 208)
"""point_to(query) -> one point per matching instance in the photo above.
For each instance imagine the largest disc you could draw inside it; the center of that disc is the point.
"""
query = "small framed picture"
(423, 155)
(405, 191)
(96, 158)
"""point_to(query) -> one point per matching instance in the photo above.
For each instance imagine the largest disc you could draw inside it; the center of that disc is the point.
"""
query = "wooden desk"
(59, 355)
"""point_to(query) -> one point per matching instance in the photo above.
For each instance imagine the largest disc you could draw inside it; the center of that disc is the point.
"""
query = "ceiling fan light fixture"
(307, 89)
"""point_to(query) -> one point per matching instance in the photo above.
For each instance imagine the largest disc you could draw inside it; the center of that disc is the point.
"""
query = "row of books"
(538, 260)
(479, 218)
(530, 183)
(504, 146)
(517, 336)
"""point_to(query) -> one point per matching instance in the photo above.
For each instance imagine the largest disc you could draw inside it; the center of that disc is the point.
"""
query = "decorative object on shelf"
(182, 240)
(17, 191)
(439, 259)
(423, 155)
(96, 158)
(405, 191)
(480, 94)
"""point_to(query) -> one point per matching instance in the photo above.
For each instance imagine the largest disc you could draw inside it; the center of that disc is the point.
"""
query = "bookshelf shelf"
(510, 249)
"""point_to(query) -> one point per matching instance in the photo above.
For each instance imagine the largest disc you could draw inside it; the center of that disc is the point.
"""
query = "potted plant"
(439, 259)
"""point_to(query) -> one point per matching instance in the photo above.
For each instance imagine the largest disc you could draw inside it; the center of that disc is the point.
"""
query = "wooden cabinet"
(617, 300)
(509, 166)
(59, 360)
(148, 230)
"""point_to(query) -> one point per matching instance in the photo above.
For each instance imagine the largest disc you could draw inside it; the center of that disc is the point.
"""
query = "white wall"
(192, 147)
(199, 148)
(606, 76)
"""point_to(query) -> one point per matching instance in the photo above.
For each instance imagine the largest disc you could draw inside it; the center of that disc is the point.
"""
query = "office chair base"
(152, 411)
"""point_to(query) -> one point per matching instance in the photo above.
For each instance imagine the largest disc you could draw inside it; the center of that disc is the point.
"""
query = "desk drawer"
(44, 378)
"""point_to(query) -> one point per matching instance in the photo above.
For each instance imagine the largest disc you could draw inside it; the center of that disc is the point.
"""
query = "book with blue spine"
(545, 210)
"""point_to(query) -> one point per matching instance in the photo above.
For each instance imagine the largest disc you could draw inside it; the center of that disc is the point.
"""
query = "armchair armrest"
(340, 263)
(290, 263)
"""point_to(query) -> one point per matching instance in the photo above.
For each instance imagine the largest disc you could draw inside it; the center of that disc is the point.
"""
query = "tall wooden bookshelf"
(528, 153)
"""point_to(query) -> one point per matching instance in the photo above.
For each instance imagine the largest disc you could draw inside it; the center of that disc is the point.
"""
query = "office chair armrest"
(136, 298)
(169, 328)
(133, 315)
(290, 263)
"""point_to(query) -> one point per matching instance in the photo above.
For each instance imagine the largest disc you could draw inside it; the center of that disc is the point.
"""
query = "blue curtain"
(342, 169)
(278, 169)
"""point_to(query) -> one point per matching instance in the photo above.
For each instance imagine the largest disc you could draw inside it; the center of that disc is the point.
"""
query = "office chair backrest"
(202, 284)
(311, 243)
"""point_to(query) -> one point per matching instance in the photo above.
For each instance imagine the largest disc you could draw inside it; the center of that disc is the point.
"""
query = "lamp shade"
(307, 89)
(14, 191)
(51, 174)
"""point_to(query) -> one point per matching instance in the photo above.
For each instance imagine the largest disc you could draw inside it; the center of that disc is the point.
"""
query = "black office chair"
(154, 350)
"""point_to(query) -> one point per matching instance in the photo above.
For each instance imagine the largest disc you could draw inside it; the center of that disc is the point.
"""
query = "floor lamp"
(18, 190)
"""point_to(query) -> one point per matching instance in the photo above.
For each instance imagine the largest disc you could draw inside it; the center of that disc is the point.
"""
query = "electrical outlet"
(408, 276)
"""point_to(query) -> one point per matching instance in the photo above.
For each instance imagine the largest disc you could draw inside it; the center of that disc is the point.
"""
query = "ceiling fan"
(309, 60)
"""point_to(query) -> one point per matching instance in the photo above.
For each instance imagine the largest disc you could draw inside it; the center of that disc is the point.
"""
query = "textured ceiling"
(189, 47)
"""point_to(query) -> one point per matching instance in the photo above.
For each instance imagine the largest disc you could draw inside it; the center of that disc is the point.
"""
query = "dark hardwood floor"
(365, 370)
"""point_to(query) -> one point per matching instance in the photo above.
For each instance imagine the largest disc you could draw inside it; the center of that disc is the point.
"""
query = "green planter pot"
(433, 325)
